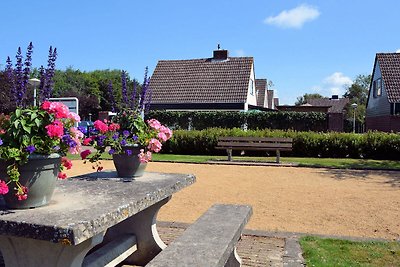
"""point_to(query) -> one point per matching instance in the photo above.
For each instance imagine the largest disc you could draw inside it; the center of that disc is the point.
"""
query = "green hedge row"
(199, 120)
(371, 145)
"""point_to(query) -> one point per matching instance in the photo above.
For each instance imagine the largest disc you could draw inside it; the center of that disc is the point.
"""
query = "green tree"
(301, 100)
(358, 94)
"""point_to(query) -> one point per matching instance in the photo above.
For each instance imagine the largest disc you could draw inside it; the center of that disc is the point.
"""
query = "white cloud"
(334, 84)
(239, 53)
(294, 18)
(398, 51)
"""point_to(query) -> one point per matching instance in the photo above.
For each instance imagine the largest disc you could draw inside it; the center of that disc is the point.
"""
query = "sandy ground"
(307, 200)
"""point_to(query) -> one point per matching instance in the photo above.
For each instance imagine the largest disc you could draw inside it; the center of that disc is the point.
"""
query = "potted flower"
(33, 144)
(129, 139)
(127, 136)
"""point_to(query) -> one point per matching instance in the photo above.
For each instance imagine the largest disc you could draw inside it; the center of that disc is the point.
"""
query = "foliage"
(371, 145)
(358, 94)
(45, 130)
(335, 252)
(301, 100)
(235, 119)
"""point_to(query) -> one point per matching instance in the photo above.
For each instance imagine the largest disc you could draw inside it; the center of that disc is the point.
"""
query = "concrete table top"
(87, 205)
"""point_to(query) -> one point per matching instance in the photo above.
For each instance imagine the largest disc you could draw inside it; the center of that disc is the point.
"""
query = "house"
(383, 104)
(334, 107)
(217, 83)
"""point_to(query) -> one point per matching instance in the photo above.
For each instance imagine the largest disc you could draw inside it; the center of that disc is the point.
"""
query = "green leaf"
(18, 113)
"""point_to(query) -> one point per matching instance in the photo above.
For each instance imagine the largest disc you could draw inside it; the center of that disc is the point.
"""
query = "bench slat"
(254, 145)
(210, 241)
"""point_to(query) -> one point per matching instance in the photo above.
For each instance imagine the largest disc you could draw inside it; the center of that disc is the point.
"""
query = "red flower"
(114, 127)
(67, 163)
(62, 175)
(45, 105)
(56, 129)
(85, 153)
(100, 126)
(22, 193)
(3, 188)
(87, 141)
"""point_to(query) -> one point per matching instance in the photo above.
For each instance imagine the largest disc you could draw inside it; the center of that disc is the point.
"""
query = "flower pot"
(39, 175)
(128, 164)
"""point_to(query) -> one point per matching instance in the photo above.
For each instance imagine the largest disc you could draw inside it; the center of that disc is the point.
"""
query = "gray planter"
(39, 175)
(129, 166)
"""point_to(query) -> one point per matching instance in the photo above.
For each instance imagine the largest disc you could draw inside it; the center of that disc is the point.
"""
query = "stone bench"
(255, 143)
(210, 241)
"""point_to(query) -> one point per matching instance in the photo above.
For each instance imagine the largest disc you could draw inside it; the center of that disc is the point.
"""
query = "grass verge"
(335, 252)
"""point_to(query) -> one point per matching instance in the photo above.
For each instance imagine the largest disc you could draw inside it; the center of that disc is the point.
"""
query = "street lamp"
(354, 106)
(34, 82)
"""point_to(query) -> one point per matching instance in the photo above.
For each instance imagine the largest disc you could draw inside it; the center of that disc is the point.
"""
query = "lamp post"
(354, 106)
(34, 82)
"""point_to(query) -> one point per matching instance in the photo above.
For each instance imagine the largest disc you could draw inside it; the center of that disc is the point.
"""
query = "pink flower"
(162, 136)
(100, 126)
(22, 193)
(144, 157)
(3, 188)
(67, 163)
(154, 145)
(56, 129)
(62, 175)
(114, 127)
(167, 131)
(45, 105)
(85, 153)
(155, 124)
(75, 117)
(77, 148)
(75, 132)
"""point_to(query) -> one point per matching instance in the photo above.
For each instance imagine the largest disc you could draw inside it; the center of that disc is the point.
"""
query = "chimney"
(220, 54)
(335, 97)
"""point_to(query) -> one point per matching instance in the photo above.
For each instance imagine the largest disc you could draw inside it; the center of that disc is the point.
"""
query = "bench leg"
(19, 251)
(234, 260)
(278, 156)
(143, 226)
(229, 151)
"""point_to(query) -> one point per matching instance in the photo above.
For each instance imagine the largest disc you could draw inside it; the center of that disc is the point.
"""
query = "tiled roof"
(390, 68)
(201, 80)
(336, 105)
(261, 87)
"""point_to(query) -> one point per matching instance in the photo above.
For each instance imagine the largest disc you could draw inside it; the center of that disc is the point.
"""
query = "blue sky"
(302, 46)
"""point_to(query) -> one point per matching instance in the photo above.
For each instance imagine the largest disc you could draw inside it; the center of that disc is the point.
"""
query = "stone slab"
(87, 205)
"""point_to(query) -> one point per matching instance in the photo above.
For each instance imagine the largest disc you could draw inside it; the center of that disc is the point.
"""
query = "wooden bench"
(255, 143)
(210, 241)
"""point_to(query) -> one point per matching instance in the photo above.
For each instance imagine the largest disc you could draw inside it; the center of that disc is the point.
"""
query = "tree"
(301, 100)
(358, 94)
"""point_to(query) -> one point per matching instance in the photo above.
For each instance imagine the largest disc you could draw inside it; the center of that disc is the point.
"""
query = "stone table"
(99, 212)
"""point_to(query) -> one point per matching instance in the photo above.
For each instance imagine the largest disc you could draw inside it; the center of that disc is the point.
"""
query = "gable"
(201, 80)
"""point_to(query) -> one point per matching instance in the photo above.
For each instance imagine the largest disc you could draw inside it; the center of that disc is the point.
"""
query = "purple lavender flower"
(1, 141)
(111, 151)
(30, 149)
(11, 77)
(49, 74)
(82, 129)
(124, 89)
(129, 152)
(126, 133)
(19, 78)
(27, 69)
(123, 142)
(56, 148)
(111, 96)
(144, 89)
(135, 138)
(133, 98)
(100, 140)
(67, 139)
(115, 136)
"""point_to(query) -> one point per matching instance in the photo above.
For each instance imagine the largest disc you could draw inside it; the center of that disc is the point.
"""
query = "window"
(395, 109)
(378, 87)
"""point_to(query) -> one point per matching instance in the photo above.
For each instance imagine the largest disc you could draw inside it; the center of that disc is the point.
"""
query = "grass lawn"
(335, 252)
(344, 163)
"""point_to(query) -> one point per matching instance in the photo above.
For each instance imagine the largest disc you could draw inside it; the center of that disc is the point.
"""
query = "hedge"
(199, 120)
(371, 145)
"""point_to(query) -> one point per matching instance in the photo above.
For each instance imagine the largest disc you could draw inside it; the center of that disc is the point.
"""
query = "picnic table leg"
(20, 251)
(143, 226)
(229, 151)
(278, 156)
(234, 260)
